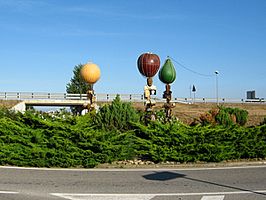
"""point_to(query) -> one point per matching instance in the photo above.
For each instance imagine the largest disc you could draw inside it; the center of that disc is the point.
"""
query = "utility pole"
(190, 92)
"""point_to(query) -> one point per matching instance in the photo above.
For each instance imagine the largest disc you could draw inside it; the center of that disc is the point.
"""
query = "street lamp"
(217, 98)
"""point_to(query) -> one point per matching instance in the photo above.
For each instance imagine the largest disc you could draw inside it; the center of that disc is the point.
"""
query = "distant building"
(251, 94)
(251, 97)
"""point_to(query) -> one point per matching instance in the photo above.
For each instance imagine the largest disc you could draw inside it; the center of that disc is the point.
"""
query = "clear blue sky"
(42, 40)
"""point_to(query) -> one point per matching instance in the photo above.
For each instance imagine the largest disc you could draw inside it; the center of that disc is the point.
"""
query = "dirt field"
(8, 103)
(188, 112)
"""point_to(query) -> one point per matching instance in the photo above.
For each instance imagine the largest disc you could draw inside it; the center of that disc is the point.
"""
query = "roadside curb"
(156, 167)
(185, 165)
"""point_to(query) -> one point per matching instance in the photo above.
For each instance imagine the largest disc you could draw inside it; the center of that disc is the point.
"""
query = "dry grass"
(8, 103)
(187, 113)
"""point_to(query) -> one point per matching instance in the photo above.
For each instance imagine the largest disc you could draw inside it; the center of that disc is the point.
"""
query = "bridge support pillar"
(20, 107)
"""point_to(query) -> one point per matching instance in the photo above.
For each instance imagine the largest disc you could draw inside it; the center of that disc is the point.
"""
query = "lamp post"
(190, 92)
(217, 96)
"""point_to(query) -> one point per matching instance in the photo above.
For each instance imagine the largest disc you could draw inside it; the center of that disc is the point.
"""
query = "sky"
(41, 41)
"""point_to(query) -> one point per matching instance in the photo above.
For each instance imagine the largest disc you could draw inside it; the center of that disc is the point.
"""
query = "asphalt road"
(241, 183)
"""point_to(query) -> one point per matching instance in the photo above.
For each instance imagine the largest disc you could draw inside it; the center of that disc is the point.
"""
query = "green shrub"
(241, 116)
(263, 122)
(176, 142)
(116, 116)
(33, 139)
(225, 116)
(4, 112)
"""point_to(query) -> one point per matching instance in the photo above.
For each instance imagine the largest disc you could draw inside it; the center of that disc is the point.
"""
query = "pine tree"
(77, 85)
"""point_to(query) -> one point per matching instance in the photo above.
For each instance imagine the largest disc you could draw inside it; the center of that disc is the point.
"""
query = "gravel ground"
(148, 164)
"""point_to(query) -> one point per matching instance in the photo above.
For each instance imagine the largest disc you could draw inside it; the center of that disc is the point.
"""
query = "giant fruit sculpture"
(91, 73)
(167, 75)
(148, 65)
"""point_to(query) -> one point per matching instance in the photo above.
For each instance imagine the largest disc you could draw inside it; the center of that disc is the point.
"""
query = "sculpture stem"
(91, 98)
(168, 106)
(149, 90)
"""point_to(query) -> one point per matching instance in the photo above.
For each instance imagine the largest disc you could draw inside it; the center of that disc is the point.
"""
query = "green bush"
(225, 116)
(263, 122)
(40, 140)
(176, 142)
(240, 115)
(116, 116)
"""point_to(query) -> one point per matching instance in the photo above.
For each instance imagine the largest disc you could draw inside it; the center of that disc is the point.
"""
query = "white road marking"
(212, 197)
(106, 196)
(8, 192)
(206, 195)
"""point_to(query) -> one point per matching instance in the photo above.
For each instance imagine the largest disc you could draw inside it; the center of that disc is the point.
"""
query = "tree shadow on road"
(166, 175)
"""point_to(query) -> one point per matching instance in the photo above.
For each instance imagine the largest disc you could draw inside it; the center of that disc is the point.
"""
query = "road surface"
(235, 183)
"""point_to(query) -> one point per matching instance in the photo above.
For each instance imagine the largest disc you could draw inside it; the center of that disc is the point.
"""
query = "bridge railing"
(109, 97)
(65, 96)
(123, 97)
(40, 95)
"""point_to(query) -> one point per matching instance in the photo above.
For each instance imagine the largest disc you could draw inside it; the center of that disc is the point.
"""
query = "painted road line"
(106, 196)
(212, 197)
(8, 192)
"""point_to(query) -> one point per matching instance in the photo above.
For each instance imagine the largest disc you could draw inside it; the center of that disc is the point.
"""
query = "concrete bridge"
(60, 99)
(22, 106)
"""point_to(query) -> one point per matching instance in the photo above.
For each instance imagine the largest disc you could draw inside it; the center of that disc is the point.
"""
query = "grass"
(188, 112)
(8, 103)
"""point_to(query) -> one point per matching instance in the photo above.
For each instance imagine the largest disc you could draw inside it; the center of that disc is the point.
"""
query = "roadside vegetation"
(117, 133)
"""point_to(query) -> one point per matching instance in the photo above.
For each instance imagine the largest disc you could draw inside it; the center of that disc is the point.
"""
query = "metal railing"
(65, 96)
(39, 95)
(109, 97)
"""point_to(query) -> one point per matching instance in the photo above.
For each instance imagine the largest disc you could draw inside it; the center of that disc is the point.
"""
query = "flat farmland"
(187, 113)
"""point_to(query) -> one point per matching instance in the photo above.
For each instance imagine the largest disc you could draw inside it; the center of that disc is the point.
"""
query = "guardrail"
(220, 100)
(109, 97)
(65, 96)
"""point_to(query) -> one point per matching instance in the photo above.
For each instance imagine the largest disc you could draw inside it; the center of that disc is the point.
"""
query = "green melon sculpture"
(167, 73)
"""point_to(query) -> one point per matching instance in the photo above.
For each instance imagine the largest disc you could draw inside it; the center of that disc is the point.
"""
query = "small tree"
(77, 86)
(116, 116)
